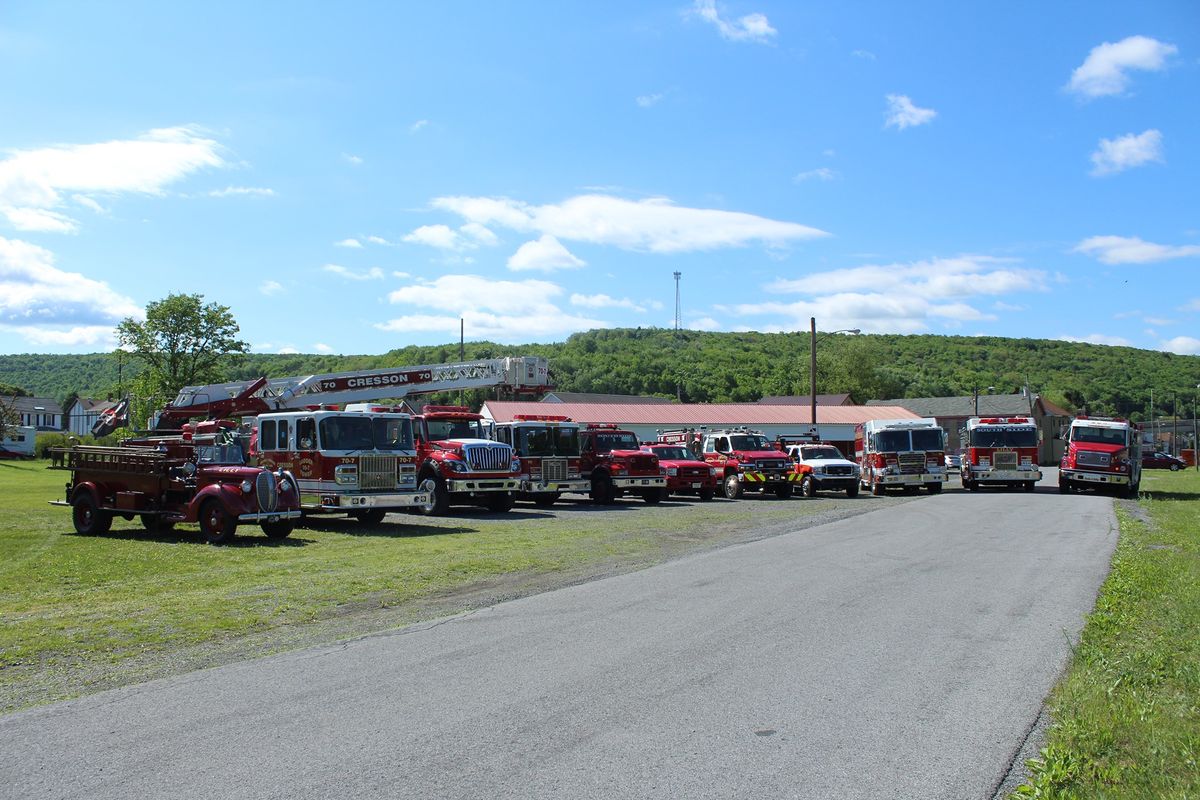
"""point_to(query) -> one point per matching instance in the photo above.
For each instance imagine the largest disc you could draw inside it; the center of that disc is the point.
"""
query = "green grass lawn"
(1126, 718)
(79, 614)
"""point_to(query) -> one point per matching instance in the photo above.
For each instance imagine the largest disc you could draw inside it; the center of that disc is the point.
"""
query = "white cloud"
(351, 159)
(545, 254)
(604, 301)
(874, 313)
(401, 275)
(1126, 152)
(323, 348)
(373, 274)
(234, 191)
(1193, 305)
(46, 305)
(378, 240)
(1182, 345)
(506, 311)
(1159, 321)
(352, 243)
(903, 114)
(821, 173)
(287, 350)
(33, 182)
(1001, 306)
(1132, 250)
(863, 54)
(1104, 71)
(655, 225)
(270, 287)
(750, 28)
(649, 100)
(964, 276)
(88, 202)
(416, 126)
(1098, 338)
(704, 324)
(443, 237)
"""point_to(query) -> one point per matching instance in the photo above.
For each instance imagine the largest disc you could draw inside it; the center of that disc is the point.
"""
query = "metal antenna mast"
(678, 308)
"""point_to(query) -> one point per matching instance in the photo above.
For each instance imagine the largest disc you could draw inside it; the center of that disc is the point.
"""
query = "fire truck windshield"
(440, 429)
(928, 439)
(227, 454)
(1083, 433)
(809, 453)
(745, 441)
(1004, 437)
(548, 441)
(615, 441)
(674, 453)
(360, 432)
(899, 441)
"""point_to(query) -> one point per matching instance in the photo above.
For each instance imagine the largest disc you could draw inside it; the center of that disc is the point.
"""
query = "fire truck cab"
(744, 459)
(548, 447)
(613, 462)
(360, 461)
(1101, 452)
(1000, 451)
(901, 453)
(460, 462)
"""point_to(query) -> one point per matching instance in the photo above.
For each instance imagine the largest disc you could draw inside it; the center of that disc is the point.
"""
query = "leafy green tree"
(9, 416)
(8, 390)
(182, 342)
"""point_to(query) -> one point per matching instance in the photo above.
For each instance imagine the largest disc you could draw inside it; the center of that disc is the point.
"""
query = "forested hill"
(725, 367)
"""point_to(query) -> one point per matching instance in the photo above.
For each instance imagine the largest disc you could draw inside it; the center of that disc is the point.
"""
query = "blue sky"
(352, 178)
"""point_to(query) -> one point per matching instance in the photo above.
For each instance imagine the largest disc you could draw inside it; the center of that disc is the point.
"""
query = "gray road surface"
(903, 653)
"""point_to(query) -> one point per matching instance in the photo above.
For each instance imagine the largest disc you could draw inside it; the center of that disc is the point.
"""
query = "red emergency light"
(540, 418)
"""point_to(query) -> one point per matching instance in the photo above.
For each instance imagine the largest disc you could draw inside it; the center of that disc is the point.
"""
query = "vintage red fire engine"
(1102, 452)
(744, 459)
(901, 453)
(612, 461)
(1000, 451)
(461, 463)
(685, 473)
(199, 475)
(548, 446)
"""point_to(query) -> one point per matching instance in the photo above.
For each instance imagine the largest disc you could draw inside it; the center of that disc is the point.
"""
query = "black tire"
(707, 494)
(156, 524)
(808, 487)
(279, 529)
(783, 491)
(439, 497)
(1064, 486)
(217, 524)
(1029, 486)
(602, 490)
(732, 486)
(88, 517)
(852, 490)
(370, 516)
(499, 502)
(876, 487)
(545, 499)
(1131, 491)
(934, 488)
(653, 497)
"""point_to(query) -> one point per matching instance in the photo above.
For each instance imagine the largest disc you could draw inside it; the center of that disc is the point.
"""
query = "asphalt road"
(901, 653)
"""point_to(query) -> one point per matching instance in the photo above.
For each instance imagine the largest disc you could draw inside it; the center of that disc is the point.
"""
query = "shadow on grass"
(394, 525)
(1155, 494)
(246, 537)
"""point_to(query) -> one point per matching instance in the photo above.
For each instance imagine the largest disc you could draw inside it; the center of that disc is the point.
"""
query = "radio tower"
(678, 312)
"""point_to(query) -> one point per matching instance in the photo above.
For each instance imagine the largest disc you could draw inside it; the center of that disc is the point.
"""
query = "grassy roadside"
(1126, 718)
(79, 614)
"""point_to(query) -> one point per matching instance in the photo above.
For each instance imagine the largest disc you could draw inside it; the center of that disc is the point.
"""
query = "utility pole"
(812, 368)
(678, 307)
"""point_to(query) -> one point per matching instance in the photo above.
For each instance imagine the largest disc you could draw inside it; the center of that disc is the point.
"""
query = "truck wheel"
(279, 529)
(876, 487)
(439, 499)
(808, 487)
(652, 497)
(733, 486)
(88, 517)
(156, 524)
(706, 494)
(783, 491)
(1029, 486)
(371, 516)
(934, 488)
(852, 490)
(217, 524)
(1131, 491)
(545, 499)
(602, 489)
(500, 502)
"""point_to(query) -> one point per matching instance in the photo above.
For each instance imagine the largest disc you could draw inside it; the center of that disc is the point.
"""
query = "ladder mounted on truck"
(519, 374)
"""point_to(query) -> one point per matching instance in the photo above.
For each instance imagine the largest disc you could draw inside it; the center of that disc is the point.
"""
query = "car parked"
(953, 462)
(1162, 461)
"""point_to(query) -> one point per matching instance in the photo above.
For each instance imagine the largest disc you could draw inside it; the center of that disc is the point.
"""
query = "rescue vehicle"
(461, 463)
(822, 466)
(744, 459)
(1102, 452)
(613, 462)
(548, 447)
(900, 453)
(1000, 451)
(685, 473)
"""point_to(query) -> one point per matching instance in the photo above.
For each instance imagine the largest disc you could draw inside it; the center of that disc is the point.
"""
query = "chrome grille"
(376, 472)
(911, 462)
(554, 469)
(1090, 458)
(268, 494)
(1007, 460)
(491, 457)
(839, 469)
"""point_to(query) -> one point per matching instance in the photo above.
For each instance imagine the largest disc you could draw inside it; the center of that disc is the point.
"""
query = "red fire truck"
(199, 475)
(900, 453)
(1102, 452)
(548, 446)
(460, 461)
(744, 459)
(613, 463)
(1000, 451)
(685, 473)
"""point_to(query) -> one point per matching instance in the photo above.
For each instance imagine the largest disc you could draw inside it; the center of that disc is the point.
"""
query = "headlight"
(346, 474)
(455, 465)
(712, 471)
(515, 466)
(672, 471)
(247, 486)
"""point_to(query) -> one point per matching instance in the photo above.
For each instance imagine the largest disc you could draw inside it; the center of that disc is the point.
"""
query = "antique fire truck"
(1000, 451)
(685, 473)
(548, 446)
(613, 463)
(744, 459)
(200, 475)
(461, 463)
(1101, 452)
(900, 453)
